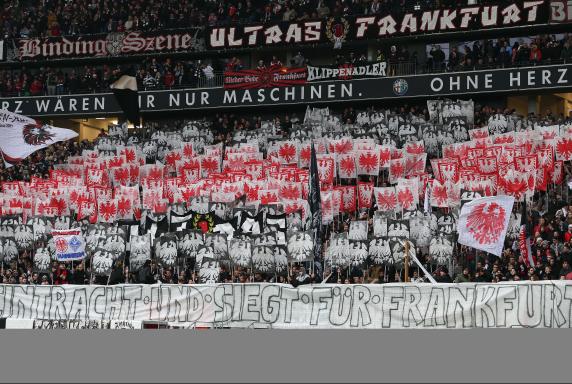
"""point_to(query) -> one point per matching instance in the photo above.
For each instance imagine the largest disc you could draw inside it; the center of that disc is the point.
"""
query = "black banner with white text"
(555, 77)
(338, 30)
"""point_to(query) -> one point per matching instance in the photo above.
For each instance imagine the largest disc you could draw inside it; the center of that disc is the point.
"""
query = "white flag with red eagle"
(483, 223)
(22, 136)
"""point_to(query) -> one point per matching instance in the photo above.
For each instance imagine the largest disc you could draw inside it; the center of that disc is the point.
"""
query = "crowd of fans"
(28, 18)
(165, 73)
(544, 49)
(551, 218)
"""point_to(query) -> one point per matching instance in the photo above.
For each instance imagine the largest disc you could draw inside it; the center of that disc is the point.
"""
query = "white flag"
(70, 244)
(483, 223)
(22, 136)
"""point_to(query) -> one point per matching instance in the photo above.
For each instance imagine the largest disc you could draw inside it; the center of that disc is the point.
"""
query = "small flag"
(125, 91)
(70, 244)
(483, 223)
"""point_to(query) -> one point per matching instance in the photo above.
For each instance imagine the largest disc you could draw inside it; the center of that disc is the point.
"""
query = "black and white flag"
(240, 252)
(167, 250)
(9, 249)
(379, 252)
(140, 251)
(398, 228)
(315, 202)
(126, 93)
(209, 271)
(189, 242)
(300, 246)
(24, 236)
(441, 250)
(358, 230)
(42, 260)
(358, 253)
(102, 262)
(219, 243)
(281, 260)
(263, 259)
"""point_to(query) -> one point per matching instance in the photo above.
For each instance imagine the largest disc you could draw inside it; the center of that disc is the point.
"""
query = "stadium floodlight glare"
(417, 7)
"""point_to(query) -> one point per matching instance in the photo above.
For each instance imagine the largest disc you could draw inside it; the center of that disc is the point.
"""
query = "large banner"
(555, 77)
(515, 305)
(284, 76)
(350, 28)
(111, 44)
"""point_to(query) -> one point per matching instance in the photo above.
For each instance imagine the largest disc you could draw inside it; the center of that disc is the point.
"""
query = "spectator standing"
(438, 57)
(208, 72)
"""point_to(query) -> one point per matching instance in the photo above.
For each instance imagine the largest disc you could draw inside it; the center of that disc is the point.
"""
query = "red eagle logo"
(486, 222)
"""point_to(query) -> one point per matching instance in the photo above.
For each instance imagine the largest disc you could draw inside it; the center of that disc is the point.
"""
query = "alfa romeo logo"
(114, 43)
(400, 87)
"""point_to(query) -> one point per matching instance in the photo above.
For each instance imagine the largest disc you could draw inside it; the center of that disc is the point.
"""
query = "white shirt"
(208, 71)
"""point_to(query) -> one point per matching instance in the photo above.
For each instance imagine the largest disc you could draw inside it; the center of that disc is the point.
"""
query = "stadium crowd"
(551, 226)
(165, 73)
(28, 18)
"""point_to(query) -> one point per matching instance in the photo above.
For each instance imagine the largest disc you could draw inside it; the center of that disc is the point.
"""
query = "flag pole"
(406, 259)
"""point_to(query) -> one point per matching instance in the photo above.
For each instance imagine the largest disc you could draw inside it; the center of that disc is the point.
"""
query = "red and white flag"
(385, 198)
(22, 136)
(483, 223)
(347, 166)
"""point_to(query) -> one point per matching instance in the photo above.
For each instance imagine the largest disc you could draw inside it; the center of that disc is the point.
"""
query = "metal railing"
(217, 81)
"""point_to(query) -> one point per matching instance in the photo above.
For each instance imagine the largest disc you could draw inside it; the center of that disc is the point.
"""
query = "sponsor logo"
(400, 87)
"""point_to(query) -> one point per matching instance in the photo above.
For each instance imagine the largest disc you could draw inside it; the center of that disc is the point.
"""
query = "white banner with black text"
(503, 305)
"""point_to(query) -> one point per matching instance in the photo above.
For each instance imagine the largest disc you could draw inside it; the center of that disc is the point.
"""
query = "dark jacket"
(144, 276)
(116, 277)
(78, 277)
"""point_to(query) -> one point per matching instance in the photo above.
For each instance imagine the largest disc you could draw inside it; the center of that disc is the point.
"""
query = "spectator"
(464, 277)
(322, 9)
(301, 278)
(437, 57)
(116, 276)
(145, 274)
(443, 276)
(298, 61)
(208, 73)
(454, 59)
(275, 63)
(535, 54)
(61, 275)
(36, 88)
